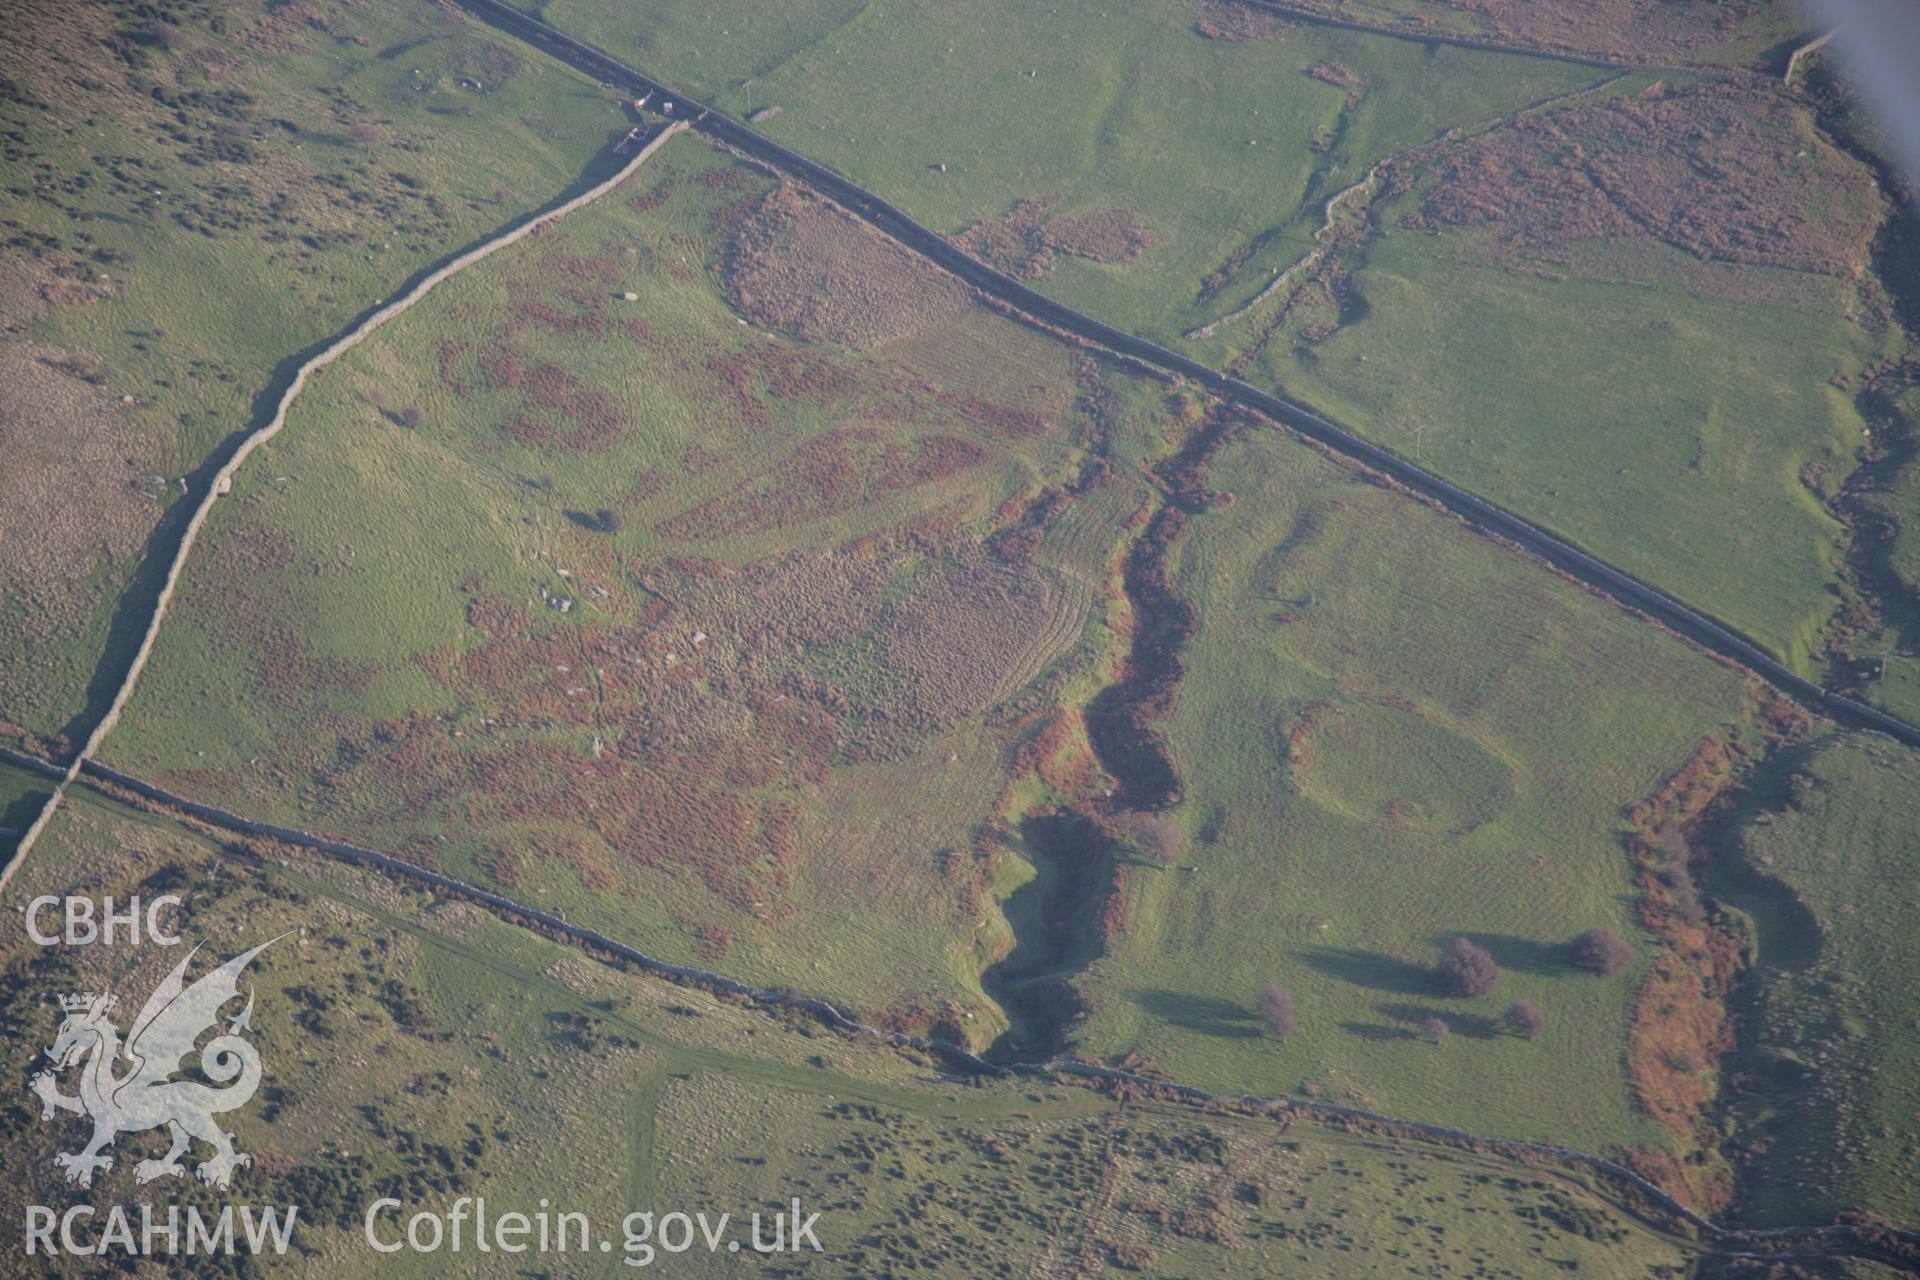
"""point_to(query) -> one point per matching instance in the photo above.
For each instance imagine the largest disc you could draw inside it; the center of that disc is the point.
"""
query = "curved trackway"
(1624, 588)
(1289, 12)
(223, 478)
(1895, 1246)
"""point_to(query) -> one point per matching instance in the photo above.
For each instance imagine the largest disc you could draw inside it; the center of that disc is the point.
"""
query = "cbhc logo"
(84, 924)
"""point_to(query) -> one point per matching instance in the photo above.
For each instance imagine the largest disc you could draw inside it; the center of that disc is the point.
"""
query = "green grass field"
(1391, 733)
(709, 570)
(1580, 397)
(1472, 722)
(1821, 858)
(775, 709)
(1574, 401)
(1211, 142)
(226, 201)
(420, 1049)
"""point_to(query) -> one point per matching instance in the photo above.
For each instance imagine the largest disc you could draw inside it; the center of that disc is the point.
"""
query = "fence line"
(223, 479)
(1895, 1245)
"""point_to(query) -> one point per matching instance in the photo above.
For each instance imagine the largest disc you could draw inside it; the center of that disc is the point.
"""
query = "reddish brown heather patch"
(602, 269)
(493, 616)
(1783, 719)
(1113, 235)
(1703, 1189)
(565, 292)
(725, 177)
(713, 941)
(285, 673)
(1333, 73)
(502, 867)
(1113, 913)
(1024, 523)
(653, 197)
(991, 417)
(834, 473)
(1296, 734)
(1627, 29)
(963, 640)
(247, 542)
(1024, 241)
(30, 286)
(1058, 755)
(695, 811)
(803, 601)
(941, 1020)
(1234, 22)
(801, 265)
(702, 566)
(702, 737)
(645, 335)
(745, 380)
(1728, 174)
(580, 857)
(672, 812)
(585, 316)
(1679, 1029)
(556, 410)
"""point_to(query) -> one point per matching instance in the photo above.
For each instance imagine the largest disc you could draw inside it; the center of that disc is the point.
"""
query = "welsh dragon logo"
(145, 1095)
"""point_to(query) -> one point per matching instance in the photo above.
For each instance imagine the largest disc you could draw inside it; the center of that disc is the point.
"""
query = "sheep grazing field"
(425, 1051)
(723, 694)
(1652, 287)
(224, 201)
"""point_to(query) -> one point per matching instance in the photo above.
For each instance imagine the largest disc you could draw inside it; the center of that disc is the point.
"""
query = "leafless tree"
(1524, 1019)
(1601, 951)
(1466, 970)
(1686, 894)
(1435, 1029)
(1276, 1010)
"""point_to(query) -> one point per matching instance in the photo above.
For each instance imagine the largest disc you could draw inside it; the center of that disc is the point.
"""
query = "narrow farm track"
(1293, 14)
(222, 479)
(1895, 1246)
(1625, 589)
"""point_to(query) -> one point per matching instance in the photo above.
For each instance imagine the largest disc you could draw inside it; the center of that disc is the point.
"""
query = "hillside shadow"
(136, 603)
(1203, 1014)
(1056, 923)
(1476, 1026)
(1376, 1033)
(1366, 969)
(1513, 954)
(1787, 933)
(17, 817)
(587, 520)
